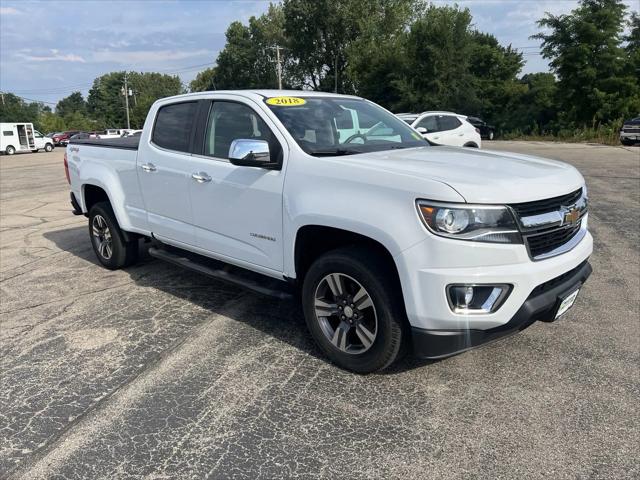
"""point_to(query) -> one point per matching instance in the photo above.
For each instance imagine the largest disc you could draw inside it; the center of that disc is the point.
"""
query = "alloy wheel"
(102, 236)
(346, 314)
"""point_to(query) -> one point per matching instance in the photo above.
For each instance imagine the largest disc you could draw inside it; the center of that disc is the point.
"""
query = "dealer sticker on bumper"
(567, 303)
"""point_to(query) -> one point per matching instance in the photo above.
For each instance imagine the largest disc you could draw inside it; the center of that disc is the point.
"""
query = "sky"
(48, 49)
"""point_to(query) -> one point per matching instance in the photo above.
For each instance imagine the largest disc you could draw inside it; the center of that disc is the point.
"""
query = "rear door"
(237, 211)
(451, 131)
(164, 172)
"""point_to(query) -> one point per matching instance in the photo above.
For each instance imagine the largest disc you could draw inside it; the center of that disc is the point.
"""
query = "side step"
(222, 271)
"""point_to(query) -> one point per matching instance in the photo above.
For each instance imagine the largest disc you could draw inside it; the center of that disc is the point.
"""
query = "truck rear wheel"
(108, 240)
(354, 310)
(10, 150)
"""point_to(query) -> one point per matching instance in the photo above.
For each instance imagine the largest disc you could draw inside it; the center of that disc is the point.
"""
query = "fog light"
(476, 299)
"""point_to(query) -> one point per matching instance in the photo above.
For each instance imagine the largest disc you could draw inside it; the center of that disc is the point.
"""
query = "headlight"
(479, 223)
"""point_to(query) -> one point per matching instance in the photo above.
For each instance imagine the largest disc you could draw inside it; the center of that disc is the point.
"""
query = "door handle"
(201, 177)
(148, 167)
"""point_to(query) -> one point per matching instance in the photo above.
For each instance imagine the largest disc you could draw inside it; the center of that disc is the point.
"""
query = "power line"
(71, 88)
(29, 99)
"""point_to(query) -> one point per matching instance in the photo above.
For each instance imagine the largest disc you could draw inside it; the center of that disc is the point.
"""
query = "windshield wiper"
(333, 153)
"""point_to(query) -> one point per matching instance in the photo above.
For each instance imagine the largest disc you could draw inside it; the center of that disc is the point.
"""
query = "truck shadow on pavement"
(280, 319)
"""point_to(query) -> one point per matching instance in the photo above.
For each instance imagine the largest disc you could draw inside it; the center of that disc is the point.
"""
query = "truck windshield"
(328, 126)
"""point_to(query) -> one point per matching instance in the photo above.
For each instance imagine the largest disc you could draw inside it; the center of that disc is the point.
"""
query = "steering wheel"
(356, 135)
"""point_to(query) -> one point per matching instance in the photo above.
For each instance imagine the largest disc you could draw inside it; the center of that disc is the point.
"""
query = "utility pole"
(277, 48)
(335, 74)
(126, 92)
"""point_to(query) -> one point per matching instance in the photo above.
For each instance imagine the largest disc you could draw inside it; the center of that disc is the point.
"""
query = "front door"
(237, 211)
(164, 172)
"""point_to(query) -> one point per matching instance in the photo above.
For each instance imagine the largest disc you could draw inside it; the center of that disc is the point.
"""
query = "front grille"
(547, 241)
(546, 238)
(537, 207)
(633, 129)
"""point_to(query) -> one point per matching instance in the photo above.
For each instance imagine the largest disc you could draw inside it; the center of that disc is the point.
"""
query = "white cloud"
(55, 56)
(9, 11)
(145, 56)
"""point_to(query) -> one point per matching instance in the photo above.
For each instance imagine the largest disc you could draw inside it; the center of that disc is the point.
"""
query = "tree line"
(407, 55)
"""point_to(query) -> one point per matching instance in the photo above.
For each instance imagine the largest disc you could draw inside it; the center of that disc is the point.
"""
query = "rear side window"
(448, 123)
(172, 129)
(7, 133)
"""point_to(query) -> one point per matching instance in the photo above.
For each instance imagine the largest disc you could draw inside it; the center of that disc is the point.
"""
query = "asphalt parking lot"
(157, 373)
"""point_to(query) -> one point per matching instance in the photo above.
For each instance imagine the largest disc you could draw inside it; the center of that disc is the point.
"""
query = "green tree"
(147, 88)
(438, 55)
(15, 109)
(71, 104)
(248, 58)
(495, 70)
(106, 102)
(50, 122)
(205, 80)
(585, 52)
(632, 47)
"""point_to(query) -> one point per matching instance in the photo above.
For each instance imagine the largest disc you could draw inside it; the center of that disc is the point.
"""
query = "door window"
(448, 122)
(172, 129)
(229, 121)
(429, 123)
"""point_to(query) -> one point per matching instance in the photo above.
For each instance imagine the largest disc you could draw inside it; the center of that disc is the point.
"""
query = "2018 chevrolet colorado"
(390, 242)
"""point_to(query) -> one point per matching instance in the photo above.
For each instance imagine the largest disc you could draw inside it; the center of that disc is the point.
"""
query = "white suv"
(444, 128)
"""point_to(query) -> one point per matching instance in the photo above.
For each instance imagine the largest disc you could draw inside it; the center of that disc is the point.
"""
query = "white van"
(21, 137)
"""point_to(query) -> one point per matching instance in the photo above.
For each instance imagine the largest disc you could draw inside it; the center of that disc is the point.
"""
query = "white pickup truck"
(391, 244)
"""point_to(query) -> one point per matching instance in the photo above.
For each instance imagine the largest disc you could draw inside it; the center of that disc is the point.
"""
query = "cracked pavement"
(157, 373)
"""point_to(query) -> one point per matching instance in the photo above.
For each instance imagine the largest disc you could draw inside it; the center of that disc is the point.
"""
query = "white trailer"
(21, 137)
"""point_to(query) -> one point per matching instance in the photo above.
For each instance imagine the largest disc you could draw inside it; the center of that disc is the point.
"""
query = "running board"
(219, 270)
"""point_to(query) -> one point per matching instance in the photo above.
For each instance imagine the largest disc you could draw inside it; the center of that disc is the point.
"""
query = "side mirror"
(422, 130)
(245, 152)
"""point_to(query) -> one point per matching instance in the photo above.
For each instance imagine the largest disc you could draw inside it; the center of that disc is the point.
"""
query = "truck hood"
(479, 176)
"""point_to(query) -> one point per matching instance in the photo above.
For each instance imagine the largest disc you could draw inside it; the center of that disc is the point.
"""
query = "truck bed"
(127, 143)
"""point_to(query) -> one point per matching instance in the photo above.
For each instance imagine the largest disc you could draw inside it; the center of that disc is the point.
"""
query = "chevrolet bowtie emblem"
(571, 216)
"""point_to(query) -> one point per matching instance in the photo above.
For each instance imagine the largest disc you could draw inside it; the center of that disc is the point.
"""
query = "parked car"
(131, 133)
(630, 132)
(111, 133)
(21, 137)
(81, 136)
(391, 242)
(487, 132)
(444, 128)
(63, 138)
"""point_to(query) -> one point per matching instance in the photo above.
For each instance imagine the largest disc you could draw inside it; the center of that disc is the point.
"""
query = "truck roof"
(259, 94)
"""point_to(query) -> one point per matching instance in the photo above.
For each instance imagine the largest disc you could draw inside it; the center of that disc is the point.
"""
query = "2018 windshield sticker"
(416, 136)
(286, 101)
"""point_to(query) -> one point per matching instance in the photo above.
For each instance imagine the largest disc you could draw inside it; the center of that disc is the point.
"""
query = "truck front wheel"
(354, 310)
(108, 240)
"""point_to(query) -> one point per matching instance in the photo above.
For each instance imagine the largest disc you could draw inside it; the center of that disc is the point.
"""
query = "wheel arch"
(93, 193)
(471, 145)
(312, 241)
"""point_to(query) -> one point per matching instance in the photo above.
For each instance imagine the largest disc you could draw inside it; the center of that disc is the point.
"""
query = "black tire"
(34, 151)
(471, 145)
(48, 147)
(368, 268)
(10, 150)
(122, 253)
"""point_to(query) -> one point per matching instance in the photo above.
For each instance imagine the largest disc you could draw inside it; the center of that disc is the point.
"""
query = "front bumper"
(630, 136)
(541, 304)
